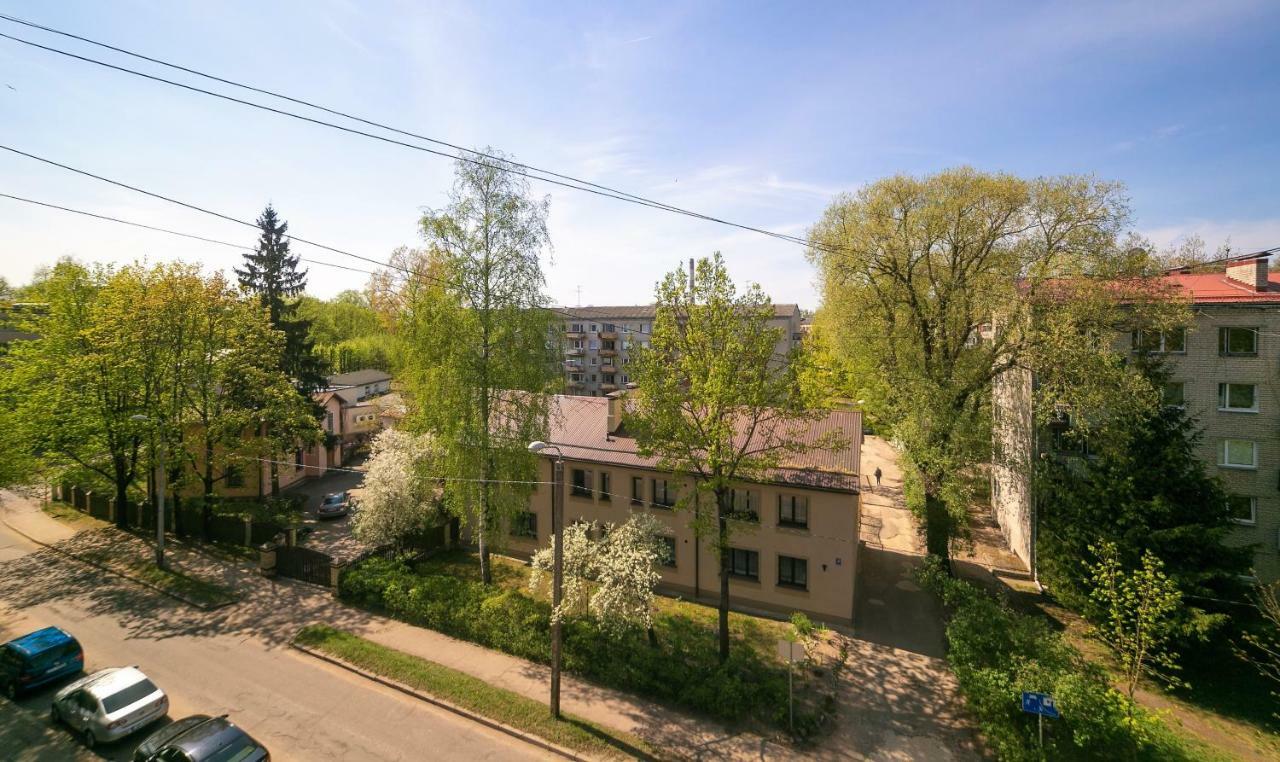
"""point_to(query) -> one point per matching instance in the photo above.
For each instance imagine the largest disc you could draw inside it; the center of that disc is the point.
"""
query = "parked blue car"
(38, 658)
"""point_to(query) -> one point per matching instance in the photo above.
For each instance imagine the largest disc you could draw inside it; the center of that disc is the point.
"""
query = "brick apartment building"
(799, 554)
(1225, 370)
(599, 340)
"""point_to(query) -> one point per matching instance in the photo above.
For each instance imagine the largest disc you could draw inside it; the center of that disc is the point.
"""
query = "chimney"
(614, 420)
(1250, 272)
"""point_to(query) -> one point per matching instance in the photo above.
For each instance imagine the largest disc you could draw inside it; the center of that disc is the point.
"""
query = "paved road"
(215, 663)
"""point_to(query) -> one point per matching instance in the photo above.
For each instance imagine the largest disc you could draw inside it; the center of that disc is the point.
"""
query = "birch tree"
(713, 402)
(475, 329)
(401, 489)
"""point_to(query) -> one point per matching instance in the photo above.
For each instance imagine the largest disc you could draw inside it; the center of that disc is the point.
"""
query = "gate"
(305, 564)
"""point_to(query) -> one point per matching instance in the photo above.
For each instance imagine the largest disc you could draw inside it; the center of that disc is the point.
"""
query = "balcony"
(573, 365)
(574, 351)
(608, 353)
(575, 335)
(609, 335)
(608, 368)
(608, 387)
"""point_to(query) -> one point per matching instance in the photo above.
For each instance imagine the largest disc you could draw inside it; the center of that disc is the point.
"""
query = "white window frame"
(1224, 398)
(1253, 513)
(1222, 455)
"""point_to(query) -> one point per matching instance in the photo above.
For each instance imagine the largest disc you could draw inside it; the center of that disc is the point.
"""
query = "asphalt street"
(234, 661)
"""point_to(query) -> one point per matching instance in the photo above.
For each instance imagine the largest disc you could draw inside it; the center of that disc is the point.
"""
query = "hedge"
(683, 670)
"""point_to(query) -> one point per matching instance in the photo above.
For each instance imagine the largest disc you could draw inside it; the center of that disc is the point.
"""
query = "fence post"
(267, 559)
(335, 573)
(111, 510)
(83, 503)
(248, 531)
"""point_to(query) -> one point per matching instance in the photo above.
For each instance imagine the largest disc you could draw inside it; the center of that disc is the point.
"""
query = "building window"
(1242, 509)
(793, 511)
(604, 485)
(576, 377)
(581, 483)
(1238, 453)
(1238, 342)
(608, 378)
(593, 327)
(1175, 394)
(793, 572)
(746, 504)
(595, 360)
(575, 328)
(609, 328)
(525, 524)
(667, 551)
(577, 344)
(637, 490)
(593, 376)
(1159, 341)
(663, 495)
(1238, 398)
(593, 344)
(235, 477)
(744, 563)
(328, 422)
(608, 344)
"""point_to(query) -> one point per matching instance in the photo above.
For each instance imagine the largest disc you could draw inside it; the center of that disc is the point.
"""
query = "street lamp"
(557, 565)
(160, 486)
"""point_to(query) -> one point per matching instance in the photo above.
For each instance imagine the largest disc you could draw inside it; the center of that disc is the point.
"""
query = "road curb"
(103, 567)
(442, 703)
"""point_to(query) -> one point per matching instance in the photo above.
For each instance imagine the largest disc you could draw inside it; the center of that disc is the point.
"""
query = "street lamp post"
(557, 566)
(160, 487)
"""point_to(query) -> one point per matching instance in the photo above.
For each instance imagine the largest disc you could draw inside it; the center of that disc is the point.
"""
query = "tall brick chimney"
(1250, 272)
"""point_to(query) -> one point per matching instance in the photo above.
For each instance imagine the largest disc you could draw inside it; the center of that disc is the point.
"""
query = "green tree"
(101, 359)
(1137, 616)
(1262, 646)
(713, 402)
(475, 329)
(271, 273)
(1143, 489)
(933, 287)
(228, 387)
(344, 317)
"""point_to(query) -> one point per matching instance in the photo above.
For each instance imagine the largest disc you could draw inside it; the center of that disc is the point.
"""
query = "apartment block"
(795, 547)
(1225, 370)
(598, 342)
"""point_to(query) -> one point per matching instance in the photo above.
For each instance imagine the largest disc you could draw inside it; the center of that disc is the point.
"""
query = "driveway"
(333, 536)
(234, 660)
(899, 699)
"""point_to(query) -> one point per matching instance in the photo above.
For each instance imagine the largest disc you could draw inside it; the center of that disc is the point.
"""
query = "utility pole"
(557, 567)
(160, 489)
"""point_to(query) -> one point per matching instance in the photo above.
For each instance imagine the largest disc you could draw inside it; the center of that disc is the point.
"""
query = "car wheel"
(89, 740)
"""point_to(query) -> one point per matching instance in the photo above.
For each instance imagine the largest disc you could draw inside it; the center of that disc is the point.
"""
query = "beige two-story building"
(1225, 370)
(798, 553)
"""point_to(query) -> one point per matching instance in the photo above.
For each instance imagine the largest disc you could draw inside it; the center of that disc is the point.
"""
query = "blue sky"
(756, 112)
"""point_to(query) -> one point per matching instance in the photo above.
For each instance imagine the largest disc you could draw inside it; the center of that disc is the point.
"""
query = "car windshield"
(333, 499)
(242, 749)
(129, 695)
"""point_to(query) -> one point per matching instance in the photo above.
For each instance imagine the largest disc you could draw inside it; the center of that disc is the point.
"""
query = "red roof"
(1216, 288)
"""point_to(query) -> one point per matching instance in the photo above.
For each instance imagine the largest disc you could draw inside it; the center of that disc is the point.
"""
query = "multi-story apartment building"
(1225, 370)
(599, 340)
(795, 550)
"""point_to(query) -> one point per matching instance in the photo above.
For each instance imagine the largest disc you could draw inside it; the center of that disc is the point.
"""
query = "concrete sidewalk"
(276, 609)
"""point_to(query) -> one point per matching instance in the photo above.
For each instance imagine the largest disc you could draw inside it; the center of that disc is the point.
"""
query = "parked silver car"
(109, 705)
(334, 504)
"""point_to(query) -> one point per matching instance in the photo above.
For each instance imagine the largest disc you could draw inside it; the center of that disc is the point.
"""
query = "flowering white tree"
(613, 577)
(401, 494)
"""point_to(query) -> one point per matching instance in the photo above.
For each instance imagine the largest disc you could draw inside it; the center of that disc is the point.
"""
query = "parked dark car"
(38, 658)
(333, 505)
(201, 738)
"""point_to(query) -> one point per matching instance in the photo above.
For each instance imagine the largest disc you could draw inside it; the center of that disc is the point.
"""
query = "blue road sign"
(1039, 703)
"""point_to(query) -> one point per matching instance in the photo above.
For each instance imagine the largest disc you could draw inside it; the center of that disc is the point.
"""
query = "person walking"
(878, 474)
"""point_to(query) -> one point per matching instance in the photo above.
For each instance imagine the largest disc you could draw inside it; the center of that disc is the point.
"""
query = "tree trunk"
(722, 546)
(482, 539)
(937, 525)
(122, 495)
(275, 478)
(206, 507)
(653, 637)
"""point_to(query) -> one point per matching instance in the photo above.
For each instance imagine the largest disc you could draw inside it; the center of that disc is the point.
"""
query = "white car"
(109, 705)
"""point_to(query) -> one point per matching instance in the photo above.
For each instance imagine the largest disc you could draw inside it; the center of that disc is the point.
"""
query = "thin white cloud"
(1243, 235)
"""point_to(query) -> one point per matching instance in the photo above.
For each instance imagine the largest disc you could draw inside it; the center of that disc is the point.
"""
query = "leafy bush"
(997, 653)
(684, 669)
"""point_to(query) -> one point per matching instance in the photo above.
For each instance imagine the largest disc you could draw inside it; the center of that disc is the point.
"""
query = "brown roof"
(578, 427)
(1217, 288)
(647, 311)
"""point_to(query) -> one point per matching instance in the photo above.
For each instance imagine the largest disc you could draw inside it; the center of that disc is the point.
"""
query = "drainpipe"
(697, 552)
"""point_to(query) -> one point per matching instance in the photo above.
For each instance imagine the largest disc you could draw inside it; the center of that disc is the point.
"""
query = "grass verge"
(474, 695)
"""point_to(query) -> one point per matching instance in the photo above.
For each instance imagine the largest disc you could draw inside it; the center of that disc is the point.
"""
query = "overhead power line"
(465, 154)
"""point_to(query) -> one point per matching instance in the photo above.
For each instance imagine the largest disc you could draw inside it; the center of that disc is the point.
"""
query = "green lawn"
(474, 695)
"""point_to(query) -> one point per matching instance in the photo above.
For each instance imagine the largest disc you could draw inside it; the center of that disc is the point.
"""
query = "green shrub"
(997, 653)
(684, 669)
